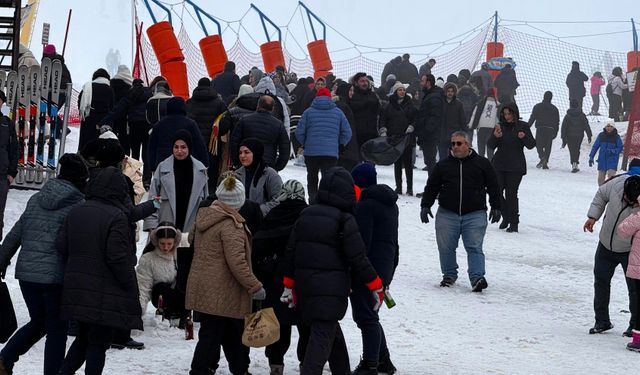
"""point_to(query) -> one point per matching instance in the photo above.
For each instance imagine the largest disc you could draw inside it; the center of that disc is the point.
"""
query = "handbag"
(261, 328)
(8, 322)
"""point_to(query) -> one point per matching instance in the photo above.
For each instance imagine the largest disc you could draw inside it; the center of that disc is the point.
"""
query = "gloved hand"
(341, 149)
(425, 212)
(382, 132)
(260, 295)
(377, 291)
(591, 162)
(494, 215)
(410, 129)
(289, 297)
(589, 140)
(3, 271)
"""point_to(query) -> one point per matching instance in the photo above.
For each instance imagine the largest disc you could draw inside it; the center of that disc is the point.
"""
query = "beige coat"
(221, 281)
(131, 168)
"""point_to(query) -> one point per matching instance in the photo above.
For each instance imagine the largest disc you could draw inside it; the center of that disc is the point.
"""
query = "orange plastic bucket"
(272, 55)
(176, 74)
(319, 56)
(214, 54)
(494, 49)
(164, 42)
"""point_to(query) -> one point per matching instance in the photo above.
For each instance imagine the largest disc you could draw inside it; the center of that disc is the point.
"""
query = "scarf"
(87, 96)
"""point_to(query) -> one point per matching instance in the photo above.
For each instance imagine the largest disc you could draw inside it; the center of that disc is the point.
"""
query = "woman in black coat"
(574, 127)
(269, 245)
(94, 103)
(349, 155)
(509, 139)
(398, 119)
(96, 236)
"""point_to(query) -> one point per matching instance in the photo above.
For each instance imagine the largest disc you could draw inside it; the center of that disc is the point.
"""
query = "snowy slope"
(532, 319)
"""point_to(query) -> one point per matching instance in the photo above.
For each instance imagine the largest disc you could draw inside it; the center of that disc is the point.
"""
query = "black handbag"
(8, 322)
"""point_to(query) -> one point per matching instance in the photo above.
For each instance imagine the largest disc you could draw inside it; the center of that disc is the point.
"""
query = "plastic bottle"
(388, 300)
(188, 328)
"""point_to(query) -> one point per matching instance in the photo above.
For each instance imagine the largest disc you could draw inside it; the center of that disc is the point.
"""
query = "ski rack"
(42, 173)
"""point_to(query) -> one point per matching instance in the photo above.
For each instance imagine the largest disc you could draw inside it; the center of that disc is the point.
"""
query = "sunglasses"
(457, 143)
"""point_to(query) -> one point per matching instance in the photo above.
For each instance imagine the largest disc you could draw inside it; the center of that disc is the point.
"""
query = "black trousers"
(508, 183)
(314, 165)
(405, 161)
(429, 146)
(615, 107)
(483, 137)
(574, 149)
(374, 342)
(215, 332)
(139, 138)
(120, 130)
(605, 264)
(580, 100)
(326, 342)
(596, 103)
(90, 346)
(276, 351)
(172, 300)
(544, 140)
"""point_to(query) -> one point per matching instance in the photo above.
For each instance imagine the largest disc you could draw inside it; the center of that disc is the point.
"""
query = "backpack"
(609, 89)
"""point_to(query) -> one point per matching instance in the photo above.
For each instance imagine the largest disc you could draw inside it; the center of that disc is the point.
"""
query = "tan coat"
(221, 281)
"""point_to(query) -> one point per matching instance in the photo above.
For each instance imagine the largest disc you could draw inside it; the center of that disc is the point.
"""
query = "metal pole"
(495, 28)
(635, 36)
(66, 33)
(65, 122)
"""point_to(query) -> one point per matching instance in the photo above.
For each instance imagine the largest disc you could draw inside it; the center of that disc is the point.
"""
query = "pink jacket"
(596, 84)
(627, 229)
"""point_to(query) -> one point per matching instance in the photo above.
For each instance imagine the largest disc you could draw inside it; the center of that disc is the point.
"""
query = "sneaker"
(132, 344)
(386, 367)
(365, 368)
(448, 281)
(478, 285)
(540, 164)
(545, 166)
(600, 327)
(513, 228)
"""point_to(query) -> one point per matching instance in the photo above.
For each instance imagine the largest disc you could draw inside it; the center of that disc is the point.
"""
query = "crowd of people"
(227, 234)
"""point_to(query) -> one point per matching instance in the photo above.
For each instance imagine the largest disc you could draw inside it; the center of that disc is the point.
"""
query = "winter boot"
(600, 327)
(448, 281)
(634, 345)
(513, 228)
(504, 224)
(366, 368)
(276, 369)
(385, 366)
(540, 164)
(574, 168)
(478, 285)
(398, 190)
(545, 165)
(3, 369)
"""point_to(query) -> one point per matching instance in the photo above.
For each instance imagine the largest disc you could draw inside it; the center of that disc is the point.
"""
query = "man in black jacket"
(575, 82)
(227, 83)
(461, 182)
(406, 71)
(547, 119)
(8, 159)
(365, 106)
(454, 119)
(429, 121)
(325, 250)
(268, 129)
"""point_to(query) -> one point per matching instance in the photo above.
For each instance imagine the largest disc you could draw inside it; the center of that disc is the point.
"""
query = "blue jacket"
(322, 128)
(36, 231)
(610, 146)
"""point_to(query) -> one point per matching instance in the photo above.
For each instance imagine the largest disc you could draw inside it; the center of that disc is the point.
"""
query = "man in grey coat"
(612, 250)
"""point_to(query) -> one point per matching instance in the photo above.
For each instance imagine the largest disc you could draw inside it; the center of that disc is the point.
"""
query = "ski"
(45, 79)
(3, 79)
(56, 75)
(12, 83)
(23, 99)
(34, 85)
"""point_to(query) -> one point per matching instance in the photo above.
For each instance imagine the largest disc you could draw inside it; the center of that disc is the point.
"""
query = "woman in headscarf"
(262, 184)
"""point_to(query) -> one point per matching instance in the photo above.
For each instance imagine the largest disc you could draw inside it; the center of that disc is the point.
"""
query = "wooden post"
(66, 33)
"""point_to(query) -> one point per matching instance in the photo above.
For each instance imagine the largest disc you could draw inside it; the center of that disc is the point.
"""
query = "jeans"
(596, 103)
(472, 227)
(605, 175)
(314, 165)
(483, 137)
(509, 182)
(374, 342)
(544, 140)
(326, 342)
(574, 149)
(43, 303)
(90, 345)
(404, 162)
(216, 331)
(605, 264)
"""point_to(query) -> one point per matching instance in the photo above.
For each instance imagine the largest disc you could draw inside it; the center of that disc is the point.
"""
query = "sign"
(45, 33)
(497, 63)
(631, 80)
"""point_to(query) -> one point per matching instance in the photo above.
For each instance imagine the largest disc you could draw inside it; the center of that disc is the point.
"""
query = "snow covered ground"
(533, 318)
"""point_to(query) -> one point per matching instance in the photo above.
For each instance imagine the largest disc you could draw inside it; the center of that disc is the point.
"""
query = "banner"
(28, 15)
(632, 140)
(631, 80)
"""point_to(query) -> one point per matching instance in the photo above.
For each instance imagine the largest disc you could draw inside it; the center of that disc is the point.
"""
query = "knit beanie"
(204, 82)
(323, 92)
(74, 169)
(396, 86)
(49, 49)
(292, 189)
(185, 136)
(176, 106)
(231, 192)
(109, 152)
(364, 175)
(244, 90)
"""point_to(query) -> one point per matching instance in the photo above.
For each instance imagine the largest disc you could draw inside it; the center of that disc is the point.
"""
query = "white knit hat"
(610, 123)
(108, 135)
(244, 90)
(231, 192)
(396, 86)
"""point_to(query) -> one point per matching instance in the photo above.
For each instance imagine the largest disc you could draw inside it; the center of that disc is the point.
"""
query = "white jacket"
(489, 115)
(617, 85)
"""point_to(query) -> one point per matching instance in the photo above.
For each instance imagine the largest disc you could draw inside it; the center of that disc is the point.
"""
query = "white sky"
(99, 25)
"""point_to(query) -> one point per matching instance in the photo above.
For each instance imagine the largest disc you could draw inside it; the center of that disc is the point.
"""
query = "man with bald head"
(268, 129)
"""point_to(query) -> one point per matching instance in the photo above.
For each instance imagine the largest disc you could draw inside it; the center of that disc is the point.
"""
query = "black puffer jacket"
(132, 107)
(351, 151)
(575, 125)
(454, 118)
(366, 107)
(325, 250)
(506, 82)
(100, 285)
(575, 82)
(9, 153)
(227, 85)
(268, 129)
(474, 174)
(509, 156)
(204, 107)
(377, 217)
(430, 114)
(397, 116)
(545, 115)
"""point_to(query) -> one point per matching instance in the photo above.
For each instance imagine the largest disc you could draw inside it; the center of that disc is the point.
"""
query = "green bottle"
(388, 300)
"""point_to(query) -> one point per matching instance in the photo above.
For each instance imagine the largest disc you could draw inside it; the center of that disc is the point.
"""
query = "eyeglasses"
(457, 143)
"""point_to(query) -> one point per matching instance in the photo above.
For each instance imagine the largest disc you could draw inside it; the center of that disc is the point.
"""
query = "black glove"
(589, 140)
(3, 271)
(494, 215)
(425, 212)
(342, 149)
(591, 162)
